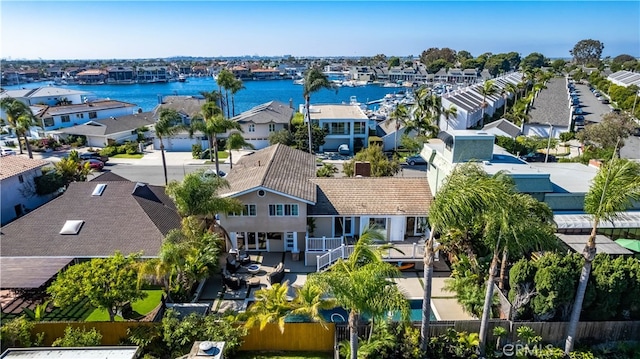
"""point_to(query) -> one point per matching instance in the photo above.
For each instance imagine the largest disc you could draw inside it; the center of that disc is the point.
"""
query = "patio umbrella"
(631, 244)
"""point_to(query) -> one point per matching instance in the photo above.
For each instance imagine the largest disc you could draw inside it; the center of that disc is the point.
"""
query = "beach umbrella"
(631, 244)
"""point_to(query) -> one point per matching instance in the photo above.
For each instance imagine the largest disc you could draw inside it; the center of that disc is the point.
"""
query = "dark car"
(94, 156)
(537, 157)
(94, 164)
(604, 101)
(416, 160)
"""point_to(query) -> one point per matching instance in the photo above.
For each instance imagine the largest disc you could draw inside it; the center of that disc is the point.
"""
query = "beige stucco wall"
(262, 222)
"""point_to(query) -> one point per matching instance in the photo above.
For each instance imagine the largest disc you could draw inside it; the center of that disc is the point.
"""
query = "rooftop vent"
(72, 226)
(99, 189)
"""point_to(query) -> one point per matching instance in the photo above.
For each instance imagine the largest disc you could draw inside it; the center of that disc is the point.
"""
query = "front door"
(288, 241)
(411, 226)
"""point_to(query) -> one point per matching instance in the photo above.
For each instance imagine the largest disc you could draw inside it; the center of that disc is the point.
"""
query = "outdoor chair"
(232, 265)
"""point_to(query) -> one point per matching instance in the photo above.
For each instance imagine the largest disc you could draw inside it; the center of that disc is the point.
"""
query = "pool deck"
(410, 283)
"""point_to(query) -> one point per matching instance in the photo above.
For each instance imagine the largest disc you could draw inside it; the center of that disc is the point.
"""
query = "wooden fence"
(295, 337)
(112, 332)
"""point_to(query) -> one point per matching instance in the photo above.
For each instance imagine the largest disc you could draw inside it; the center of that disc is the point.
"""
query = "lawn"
(140, 307)
(283, 355)
(125, 155)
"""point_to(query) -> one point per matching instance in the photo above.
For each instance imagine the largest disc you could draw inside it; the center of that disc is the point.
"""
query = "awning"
(577, 243)
(585, 221)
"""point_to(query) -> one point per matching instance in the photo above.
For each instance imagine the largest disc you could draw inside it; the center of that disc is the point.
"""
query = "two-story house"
(261, 121)
(288, 209)
(343, 124)
(17, 186)
(57, 117)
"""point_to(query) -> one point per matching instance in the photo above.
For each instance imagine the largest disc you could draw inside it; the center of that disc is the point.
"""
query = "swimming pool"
(341, 315)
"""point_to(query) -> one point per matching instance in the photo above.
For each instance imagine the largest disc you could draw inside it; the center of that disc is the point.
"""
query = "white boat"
(391, 84)
(182, 78)
(298, 82)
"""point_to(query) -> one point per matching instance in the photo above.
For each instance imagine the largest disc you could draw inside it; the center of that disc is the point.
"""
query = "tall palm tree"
(236, 86)
(212, 96)
(314, 81)
(451, 112)
(235, 141)
(487, 89)
(226, 81)
(212, 123)
(614, 188)
(169, 122)
(20, 118)
(361, 284)
(400, 116)
(512, 89)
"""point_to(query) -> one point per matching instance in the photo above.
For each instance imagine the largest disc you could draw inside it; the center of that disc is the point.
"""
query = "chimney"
(362, 169)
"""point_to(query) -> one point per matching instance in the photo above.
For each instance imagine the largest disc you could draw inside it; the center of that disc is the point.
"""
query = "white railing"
(400, 252)
(323, 244)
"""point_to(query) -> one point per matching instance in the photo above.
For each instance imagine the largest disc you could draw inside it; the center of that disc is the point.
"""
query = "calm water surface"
(255, 92)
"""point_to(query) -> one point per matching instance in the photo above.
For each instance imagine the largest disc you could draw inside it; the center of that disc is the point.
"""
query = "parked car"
(537, 157)
(212, 172)
(579, 119)
(416, 160)
(94, 164)
(7, 152)
(344, 150)
(604, 101)
(577, 111)
(93, 155)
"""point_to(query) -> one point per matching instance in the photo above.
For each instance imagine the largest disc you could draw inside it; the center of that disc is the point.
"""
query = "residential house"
(120, 75)
(265, 74)
(261, 121)
(112, 130)
(562, 186)
(48, 95)
(344, 124)
(108, 214)
(152, 74)
(288, 209)
(17, 186)
(57, 117)
(92, 77)
(188, 107)
(241, 72)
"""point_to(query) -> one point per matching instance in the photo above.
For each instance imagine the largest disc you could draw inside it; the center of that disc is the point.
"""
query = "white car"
(7, 152)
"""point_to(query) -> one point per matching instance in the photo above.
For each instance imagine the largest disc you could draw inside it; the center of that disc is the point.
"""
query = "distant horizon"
(99, 30)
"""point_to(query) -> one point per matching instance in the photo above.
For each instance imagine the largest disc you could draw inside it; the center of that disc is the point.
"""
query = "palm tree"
(400, 115)
(464, 194)
(169, 122)
(20, 118)
(425, 113)
(212, 96)
(513, 89)
(614, 187)
(451, 112)
(236, 86)
(225, 81)
(211, 124)
(487, 89)
(235, 141)
(361, 284)
(271, 305)
(314, 80)
(309, 301)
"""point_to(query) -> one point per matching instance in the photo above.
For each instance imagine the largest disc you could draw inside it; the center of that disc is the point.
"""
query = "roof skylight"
(99, 189)
(72, 226)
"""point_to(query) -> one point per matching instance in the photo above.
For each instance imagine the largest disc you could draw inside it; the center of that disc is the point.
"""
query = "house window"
(359, 128)
(65, 118)
(252, 128)
(48, 122)
(79, 115)
(379, 223)
(250, 210)
(283, 210)
(272, 127)
(20, 178)
(93, 114)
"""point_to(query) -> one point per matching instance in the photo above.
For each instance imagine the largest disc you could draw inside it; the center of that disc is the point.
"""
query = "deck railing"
(323, 244)
(411, 252)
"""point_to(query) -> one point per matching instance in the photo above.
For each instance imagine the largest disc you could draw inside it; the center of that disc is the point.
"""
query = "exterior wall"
(542, 130)
(120, 137)
(259, 138)
(12, 192)
(53, 100)
(565, 202)
(83, 117)
(324, 227)
(262, 222)
(179, 142)
(471, 149)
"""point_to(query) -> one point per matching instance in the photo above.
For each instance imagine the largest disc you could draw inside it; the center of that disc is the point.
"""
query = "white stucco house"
(344, 124)
(17, 186)
(113, 130)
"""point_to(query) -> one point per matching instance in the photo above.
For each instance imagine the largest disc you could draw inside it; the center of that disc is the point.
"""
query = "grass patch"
(283, 355)
(125, 155)
(140, 307)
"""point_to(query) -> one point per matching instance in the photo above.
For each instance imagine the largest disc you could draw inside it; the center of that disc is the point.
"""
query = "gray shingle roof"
(279, 168)
(186, 105)
(505, 126)
(111, 125)
(372, 196)
(270, 112)
(119, 219)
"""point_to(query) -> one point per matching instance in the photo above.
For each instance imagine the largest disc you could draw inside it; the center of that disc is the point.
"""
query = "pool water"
(340, 315)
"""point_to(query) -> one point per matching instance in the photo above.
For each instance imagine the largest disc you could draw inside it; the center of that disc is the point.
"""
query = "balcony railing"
(323, 244)
(410, 252)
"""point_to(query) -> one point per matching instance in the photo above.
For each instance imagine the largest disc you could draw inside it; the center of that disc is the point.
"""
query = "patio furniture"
(277, 275)
(243, 257)
(232, 265)
(253, 269)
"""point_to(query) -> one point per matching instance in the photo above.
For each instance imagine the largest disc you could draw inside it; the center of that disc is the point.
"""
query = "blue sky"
(149, 29)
